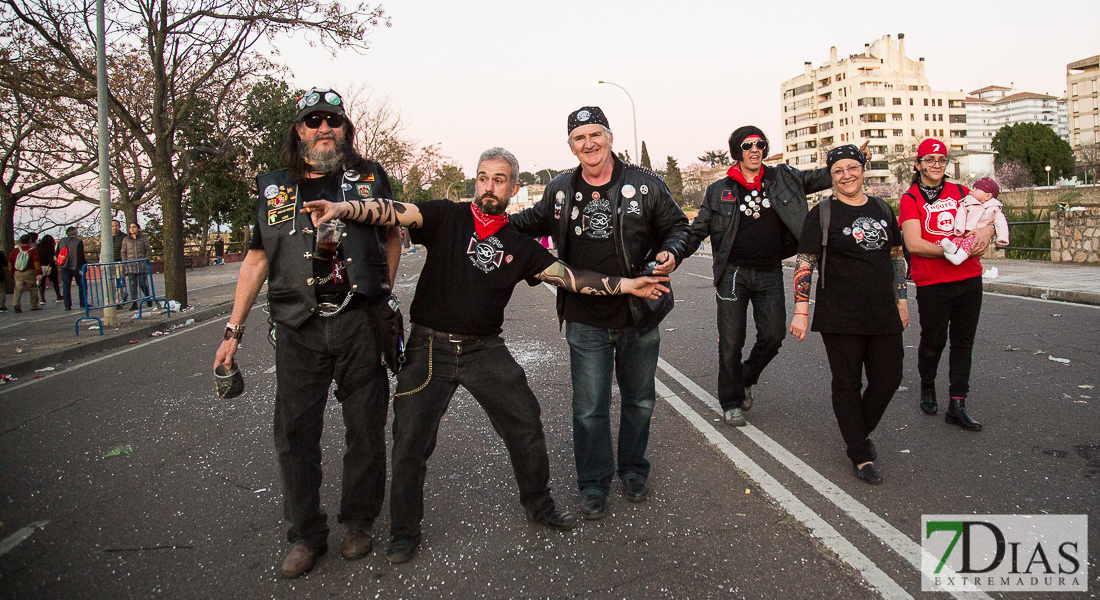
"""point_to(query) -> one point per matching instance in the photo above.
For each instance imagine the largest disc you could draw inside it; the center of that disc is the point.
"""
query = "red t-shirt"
(30, 263)
(937, 221)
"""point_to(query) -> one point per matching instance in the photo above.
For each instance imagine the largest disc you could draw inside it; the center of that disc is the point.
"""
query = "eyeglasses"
(760, 145)
(852, 170)
(934, 162)
(314, 121)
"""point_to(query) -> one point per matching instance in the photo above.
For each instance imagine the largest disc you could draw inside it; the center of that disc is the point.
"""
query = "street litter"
(1064, 361)
(902, 388)
(172, 304)
(1011, 348)
(189, 322)
(1085, 387)
(18, 349)
(671, 329)
(1056, 315)
(4, 379)
(991, 273)
(1040, 352)
(43, 369)
(93, 327)
(120, 450)
(260, 490)
(905, 451)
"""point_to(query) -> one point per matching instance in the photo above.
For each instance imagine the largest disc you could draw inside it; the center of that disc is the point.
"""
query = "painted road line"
(699, 276)
(818, 527)
(899, 542)
(13, 540)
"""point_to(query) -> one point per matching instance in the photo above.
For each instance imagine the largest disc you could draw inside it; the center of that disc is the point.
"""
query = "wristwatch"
(234, 331)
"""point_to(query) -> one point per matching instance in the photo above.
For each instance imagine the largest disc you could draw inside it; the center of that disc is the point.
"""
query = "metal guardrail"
(1027, 248)
(115, 284)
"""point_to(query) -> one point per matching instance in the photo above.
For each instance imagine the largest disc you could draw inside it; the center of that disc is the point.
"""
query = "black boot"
(956, 415)
(928, 398)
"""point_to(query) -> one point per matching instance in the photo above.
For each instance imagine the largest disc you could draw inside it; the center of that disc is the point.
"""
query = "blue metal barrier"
(115, 284)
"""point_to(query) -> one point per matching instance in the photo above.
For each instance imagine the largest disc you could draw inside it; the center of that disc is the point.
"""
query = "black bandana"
(931, 194)
(587, 115)
(842, 152)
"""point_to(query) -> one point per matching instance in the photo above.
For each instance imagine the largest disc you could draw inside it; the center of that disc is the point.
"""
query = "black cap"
(739, 136)
(587, 115)
(319, 99)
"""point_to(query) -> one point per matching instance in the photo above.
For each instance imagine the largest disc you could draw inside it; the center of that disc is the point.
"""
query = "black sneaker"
(402, 548)
(635, 488)
(868, 474)
(593, 506)
(746, 404)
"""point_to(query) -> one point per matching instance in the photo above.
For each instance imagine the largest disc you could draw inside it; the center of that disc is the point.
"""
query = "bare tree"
(1012, 175)
(198, 53)
(1088, 160)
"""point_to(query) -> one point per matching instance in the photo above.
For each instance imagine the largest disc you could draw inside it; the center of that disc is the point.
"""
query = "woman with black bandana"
(854, 241)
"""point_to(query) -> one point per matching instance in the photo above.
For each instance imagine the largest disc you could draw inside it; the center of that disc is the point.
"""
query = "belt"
(449, 337)
(331, 298)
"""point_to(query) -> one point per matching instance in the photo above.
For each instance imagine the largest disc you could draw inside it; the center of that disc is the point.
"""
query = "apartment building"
(1083, 101)
(879, 94)
(992, 107)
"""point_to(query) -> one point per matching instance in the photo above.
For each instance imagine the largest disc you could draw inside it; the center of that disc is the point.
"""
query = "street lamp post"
(635, 114)
(448, 195)
(1048, 175)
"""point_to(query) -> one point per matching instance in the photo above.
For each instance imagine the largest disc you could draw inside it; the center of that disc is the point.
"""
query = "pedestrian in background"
(117, 235)
(27, 270)
(136, 246)
(47, 247)
(861, 306)
(949, 296)
(71, 261)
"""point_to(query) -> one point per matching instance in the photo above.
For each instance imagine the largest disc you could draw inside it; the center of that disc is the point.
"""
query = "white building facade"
(1083, 99)
(993, 107)
(879, 95)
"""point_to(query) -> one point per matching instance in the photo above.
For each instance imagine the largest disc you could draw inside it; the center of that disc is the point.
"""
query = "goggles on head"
(319, 94)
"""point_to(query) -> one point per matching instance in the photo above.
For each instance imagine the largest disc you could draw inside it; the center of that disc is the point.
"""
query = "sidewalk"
(46, 338)
(41, 339)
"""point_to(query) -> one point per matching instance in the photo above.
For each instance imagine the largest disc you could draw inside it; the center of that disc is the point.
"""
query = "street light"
(635, 113)
(1048, 175)
(448, 194)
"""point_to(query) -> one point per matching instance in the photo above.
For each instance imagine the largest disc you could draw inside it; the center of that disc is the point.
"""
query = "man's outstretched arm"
(596, 284)
(371, 211)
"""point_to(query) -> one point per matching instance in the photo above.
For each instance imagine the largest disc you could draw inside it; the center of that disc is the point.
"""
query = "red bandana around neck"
(486, 225)
(735, 173)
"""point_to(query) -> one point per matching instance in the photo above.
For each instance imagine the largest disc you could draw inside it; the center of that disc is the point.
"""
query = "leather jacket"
(287, 237)
(643, 226)
(787, 187)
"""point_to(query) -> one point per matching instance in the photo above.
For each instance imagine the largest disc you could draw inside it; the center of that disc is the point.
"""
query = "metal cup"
(228, 383)
(329, 235)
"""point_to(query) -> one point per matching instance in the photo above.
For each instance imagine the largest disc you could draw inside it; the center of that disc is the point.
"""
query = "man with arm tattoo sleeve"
(475, 259)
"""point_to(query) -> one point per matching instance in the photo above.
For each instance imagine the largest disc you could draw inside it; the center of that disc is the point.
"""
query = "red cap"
(987, 185)
(931, 146)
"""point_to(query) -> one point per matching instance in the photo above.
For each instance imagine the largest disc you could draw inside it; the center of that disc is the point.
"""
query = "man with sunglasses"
(949, 296)
(321, 311)
(619, 219)
(754, 218)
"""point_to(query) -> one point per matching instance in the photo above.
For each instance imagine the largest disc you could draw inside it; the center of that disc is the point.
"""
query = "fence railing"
(1031, 236)
(115, 284)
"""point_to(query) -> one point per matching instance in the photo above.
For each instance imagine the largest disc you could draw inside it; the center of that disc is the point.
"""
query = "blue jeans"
(436, 364)
(738, 287)
(594, 352)
(67, 277)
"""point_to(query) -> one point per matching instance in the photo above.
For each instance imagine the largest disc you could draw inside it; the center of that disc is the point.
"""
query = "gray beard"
(324, 161)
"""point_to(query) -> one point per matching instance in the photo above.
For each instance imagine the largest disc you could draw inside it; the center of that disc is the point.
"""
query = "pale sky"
(477, 74)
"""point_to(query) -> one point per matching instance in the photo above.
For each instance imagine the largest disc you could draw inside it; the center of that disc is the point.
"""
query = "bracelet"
(235, 332)
(805, 313)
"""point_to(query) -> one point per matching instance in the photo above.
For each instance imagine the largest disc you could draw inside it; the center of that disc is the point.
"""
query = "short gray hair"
(502, 154)
(569, 138)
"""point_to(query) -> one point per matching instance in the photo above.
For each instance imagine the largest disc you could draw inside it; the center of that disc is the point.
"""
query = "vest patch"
(280, 215)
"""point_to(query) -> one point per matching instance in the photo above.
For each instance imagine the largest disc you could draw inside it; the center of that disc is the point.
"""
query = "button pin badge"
(628, 191)
(271, 191)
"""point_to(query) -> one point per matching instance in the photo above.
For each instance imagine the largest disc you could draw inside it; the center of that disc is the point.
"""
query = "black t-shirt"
(466, 283)
(317, 188)
(760, 231)
(592, 247)
(858, 297)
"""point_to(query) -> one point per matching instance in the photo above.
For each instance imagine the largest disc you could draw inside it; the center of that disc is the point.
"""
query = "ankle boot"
(928, 398)
(956, 415)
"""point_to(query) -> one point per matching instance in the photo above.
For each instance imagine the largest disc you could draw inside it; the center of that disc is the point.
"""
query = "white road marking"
(19, 536)
(818, 526)
(699, 276)
(900, 543)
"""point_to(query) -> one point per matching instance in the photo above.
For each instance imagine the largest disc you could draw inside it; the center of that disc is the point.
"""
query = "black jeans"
(435, 366)
(343, 349)
(954, 306)
(737, 288)
(859, 410)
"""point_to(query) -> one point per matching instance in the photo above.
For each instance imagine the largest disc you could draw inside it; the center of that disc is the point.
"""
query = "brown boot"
(357, 544)
(300, 560)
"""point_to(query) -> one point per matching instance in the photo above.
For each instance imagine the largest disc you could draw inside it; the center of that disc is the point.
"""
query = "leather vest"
(288, 238)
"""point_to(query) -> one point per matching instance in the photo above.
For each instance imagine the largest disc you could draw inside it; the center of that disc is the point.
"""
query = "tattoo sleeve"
(376, 211)
(803, 272)
(900, 266)
(581, 282)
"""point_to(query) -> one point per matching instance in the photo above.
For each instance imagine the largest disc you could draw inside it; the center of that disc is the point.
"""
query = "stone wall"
(1075, 236)
(1082, 195)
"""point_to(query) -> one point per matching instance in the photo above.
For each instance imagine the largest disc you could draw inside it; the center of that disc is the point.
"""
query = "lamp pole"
(106, 241)
(1048, 175)
(634, 112)
(448, 195)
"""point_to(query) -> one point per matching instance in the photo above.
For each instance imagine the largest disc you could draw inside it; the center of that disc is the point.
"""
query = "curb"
(1027, 291)
(103, 343)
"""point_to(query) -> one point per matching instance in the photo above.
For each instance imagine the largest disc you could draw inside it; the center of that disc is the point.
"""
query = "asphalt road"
(124, 476)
